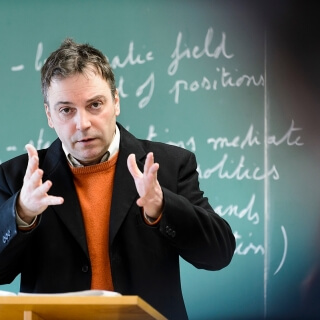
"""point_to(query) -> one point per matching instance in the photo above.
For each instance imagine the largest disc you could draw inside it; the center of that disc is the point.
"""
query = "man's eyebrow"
(62, 103)
(97, 97)
(68, 103)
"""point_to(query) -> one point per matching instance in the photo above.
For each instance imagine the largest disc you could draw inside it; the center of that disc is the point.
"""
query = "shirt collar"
(113, 149)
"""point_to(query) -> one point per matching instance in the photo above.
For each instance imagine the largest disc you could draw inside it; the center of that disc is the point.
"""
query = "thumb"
(132, 166)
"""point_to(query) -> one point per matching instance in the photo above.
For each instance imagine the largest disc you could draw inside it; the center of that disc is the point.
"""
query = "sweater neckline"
(96, 167)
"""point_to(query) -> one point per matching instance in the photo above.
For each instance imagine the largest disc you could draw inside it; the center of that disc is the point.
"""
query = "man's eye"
(65, 110)
(96, 105)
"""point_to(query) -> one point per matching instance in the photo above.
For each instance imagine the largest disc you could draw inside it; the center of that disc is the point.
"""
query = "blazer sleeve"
(200, 235)
(12, 241)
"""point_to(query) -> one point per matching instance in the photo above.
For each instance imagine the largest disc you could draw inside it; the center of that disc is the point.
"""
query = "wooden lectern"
(76, 308)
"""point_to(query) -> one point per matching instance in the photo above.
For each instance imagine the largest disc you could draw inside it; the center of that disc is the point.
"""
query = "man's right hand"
(33, 198)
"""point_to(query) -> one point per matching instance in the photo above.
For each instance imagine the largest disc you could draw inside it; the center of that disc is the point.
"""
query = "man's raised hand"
(148, 187)
(33, 198)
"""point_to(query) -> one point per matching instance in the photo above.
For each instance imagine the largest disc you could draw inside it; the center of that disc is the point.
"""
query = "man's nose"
(82, 120)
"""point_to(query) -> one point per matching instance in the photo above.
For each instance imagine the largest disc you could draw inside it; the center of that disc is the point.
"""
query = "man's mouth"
(86, 140)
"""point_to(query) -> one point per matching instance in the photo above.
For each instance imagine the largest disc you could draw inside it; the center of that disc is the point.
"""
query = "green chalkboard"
(233, 81)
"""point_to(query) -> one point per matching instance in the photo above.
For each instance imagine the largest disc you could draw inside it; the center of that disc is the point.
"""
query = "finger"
(33, 165)
(41, 190)
(33, 162)
(35, 179)
(148, 163)
(151, 171)
(133, 167)
(54, 201)
(140, 202)
(42, 193)
(154, 168)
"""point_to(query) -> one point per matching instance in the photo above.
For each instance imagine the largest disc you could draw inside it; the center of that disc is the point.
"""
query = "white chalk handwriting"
(225, 79)
(244, 248)
(236, 169)
(190, 144)
(234, 210)
(149, 82)
(38, 63)
(291, 137)
(196, 53)
(131, 58)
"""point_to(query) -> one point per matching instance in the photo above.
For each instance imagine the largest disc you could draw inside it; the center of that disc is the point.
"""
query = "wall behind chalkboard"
(232, 81)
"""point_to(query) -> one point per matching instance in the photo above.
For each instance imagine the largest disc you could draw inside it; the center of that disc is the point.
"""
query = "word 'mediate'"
(290, 137)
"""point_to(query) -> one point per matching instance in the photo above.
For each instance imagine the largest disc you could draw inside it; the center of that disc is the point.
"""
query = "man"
(94, 210)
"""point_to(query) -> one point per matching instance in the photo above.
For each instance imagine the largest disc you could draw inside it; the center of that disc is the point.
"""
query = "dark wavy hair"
(72, 58)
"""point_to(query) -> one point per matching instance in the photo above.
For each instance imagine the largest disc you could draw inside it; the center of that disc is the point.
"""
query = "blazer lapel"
(124, 189)
(56, 169)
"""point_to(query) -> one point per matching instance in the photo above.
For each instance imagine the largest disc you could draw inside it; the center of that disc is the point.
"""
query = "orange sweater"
(94, 186)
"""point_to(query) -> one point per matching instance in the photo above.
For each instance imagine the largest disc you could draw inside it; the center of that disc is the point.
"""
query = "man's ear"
(50, 123)
(117, 103)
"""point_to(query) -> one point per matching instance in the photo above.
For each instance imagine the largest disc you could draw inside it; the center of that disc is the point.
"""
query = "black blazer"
(54, 257)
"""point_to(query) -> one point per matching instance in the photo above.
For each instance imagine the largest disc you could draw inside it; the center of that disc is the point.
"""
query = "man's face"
(83, 113)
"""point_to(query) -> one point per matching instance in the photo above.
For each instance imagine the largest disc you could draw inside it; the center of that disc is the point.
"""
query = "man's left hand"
(147, 184)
